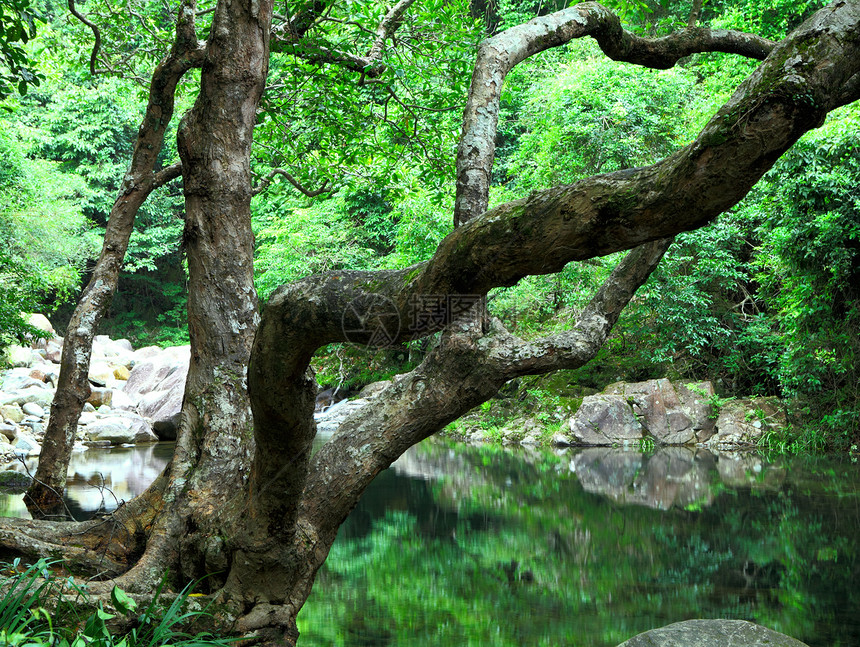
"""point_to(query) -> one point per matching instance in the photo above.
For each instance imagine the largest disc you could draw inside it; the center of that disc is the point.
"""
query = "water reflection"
(488, 546)
(100, 478)
(670, 477)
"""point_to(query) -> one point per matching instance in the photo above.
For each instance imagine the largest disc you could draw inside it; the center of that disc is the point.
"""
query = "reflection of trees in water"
(100, 478)
(611, 546)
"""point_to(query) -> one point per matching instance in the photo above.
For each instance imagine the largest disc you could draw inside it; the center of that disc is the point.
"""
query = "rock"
(121, 373)
(33, 409)
(605, 420)
(329, 421)
(100, 396)
(12, 412)
(12, 481)
(36, 428)
(158, 383)
(42, 397)
(22, 356)
(53, 352)
(19, 379)
(103, 410)
(101, 374)
(38, 375)
(88, 418)
(672, 414)
(41, 322)
(9, 432)
(88, 408)
(712, 633)
(120, 401)
(743, 422)
(374, 388)
(120, 430)
(25, 443)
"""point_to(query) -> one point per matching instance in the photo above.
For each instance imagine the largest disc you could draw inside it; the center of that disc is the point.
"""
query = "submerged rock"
(712, 633)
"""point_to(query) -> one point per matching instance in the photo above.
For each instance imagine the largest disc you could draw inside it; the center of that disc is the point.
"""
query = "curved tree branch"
(96, 33)
(802, 79)
(500, 54)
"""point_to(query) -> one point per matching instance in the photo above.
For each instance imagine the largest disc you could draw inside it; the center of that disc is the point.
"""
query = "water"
(461, 545)
(99, 479)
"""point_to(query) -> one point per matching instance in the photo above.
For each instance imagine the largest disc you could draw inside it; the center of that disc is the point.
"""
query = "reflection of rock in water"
(100, 479)
(671, 477)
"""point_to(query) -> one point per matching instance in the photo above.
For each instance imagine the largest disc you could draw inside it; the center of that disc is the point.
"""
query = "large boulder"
(603, 420)
(121, 430)
(12, 412)
(41, 322)
(672, 413)
(741, 423)
(157, 383)
(22, 356)
(712, 633)
(18, 379)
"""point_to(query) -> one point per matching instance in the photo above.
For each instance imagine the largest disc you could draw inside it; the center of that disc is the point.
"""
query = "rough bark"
(498, 55)
(45, 495)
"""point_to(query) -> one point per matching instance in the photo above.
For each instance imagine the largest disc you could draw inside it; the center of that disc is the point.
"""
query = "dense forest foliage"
(766, 300)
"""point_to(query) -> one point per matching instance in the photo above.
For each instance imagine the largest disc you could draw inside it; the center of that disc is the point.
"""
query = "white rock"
(33, 409)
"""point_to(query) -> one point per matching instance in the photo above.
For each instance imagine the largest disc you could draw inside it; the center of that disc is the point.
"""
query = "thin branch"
(266, 181)
(96, 33)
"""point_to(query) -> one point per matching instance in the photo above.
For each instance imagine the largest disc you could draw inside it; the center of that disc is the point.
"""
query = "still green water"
(460, 545)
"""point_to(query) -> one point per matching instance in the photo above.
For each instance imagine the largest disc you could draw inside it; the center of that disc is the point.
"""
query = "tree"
(243, 501)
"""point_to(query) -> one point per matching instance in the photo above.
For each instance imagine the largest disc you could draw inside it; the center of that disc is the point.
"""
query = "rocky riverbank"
(136, 394)
(137, 397)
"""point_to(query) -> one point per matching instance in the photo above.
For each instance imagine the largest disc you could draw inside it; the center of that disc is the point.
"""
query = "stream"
(484, 545)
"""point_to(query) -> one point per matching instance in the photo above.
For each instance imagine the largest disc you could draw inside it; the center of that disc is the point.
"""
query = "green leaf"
(121, 601)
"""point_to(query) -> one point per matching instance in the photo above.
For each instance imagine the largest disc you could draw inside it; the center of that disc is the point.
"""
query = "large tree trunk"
(45, 495)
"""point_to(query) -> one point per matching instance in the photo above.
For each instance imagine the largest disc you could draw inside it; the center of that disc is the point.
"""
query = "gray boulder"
(25, 443)
(158, 385)
(672, 413)
(741, 423)
(605, 420)
(712, 633)
(33, 409)
(18, 379)
(121, 430)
